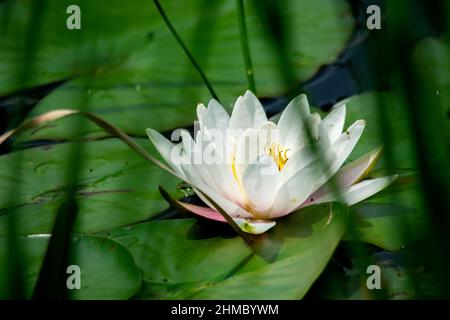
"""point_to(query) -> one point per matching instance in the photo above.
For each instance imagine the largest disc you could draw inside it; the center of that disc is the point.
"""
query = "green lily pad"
(107, 270)
(115, 186)
(191, 259)
(393, 120)
(391, 219)
(153, 84)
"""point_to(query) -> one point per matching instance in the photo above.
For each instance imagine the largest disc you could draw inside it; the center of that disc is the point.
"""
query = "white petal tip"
(340, 107)
(249, 93)
(150, 133)
(200, 106)
(254, 226)
(301, 98)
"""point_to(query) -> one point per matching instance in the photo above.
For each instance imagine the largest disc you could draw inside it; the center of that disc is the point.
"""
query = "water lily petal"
(332, 125)
(358, 192)
(246, 150)
(280, 205)
(215, 174)
(292, 123)
(247, 225)
(248, 112)
(205, 212)
(357, 170)
(254, 226)
(299, 187)
(251, 144)
(298, 160)
(213, 117)
(366, 189)
(351, 173)
(344, 145)
(232, 208)
(260, 181)
(168, 150)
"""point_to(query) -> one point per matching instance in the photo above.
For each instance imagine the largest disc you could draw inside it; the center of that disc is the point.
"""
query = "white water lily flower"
(269, 170)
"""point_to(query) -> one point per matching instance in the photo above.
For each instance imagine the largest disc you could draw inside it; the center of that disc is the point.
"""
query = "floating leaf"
(107, 268)
(367, 106)
(150, 82)
(197, 259)
(390, 220)
(115, 186)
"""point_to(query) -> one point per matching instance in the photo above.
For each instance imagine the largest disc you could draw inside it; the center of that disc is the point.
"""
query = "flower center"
(278, 154)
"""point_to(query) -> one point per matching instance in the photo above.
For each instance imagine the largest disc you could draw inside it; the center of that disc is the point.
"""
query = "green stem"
(245, 47)
(185, 49)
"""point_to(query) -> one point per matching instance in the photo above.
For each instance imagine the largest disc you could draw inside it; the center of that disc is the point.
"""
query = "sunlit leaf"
(115, 187)
(193, 259)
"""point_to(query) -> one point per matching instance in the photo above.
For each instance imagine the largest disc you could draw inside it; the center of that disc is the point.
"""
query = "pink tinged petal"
(254, 226)
(260, 181)
(359, 169)
(246, 225)
(205, 212)
(248, 112)
(170, 152)
(360, 191)
(192, 208)
(350, 174)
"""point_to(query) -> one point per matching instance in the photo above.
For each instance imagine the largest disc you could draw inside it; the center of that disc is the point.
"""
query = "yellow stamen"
(278, 154)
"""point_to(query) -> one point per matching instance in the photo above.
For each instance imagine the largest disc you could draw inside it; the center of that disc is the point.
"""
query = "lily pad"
(107, 268)
(153, 84)
(384, 113)
(115, 186)
(190, 259)
(390, 220)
